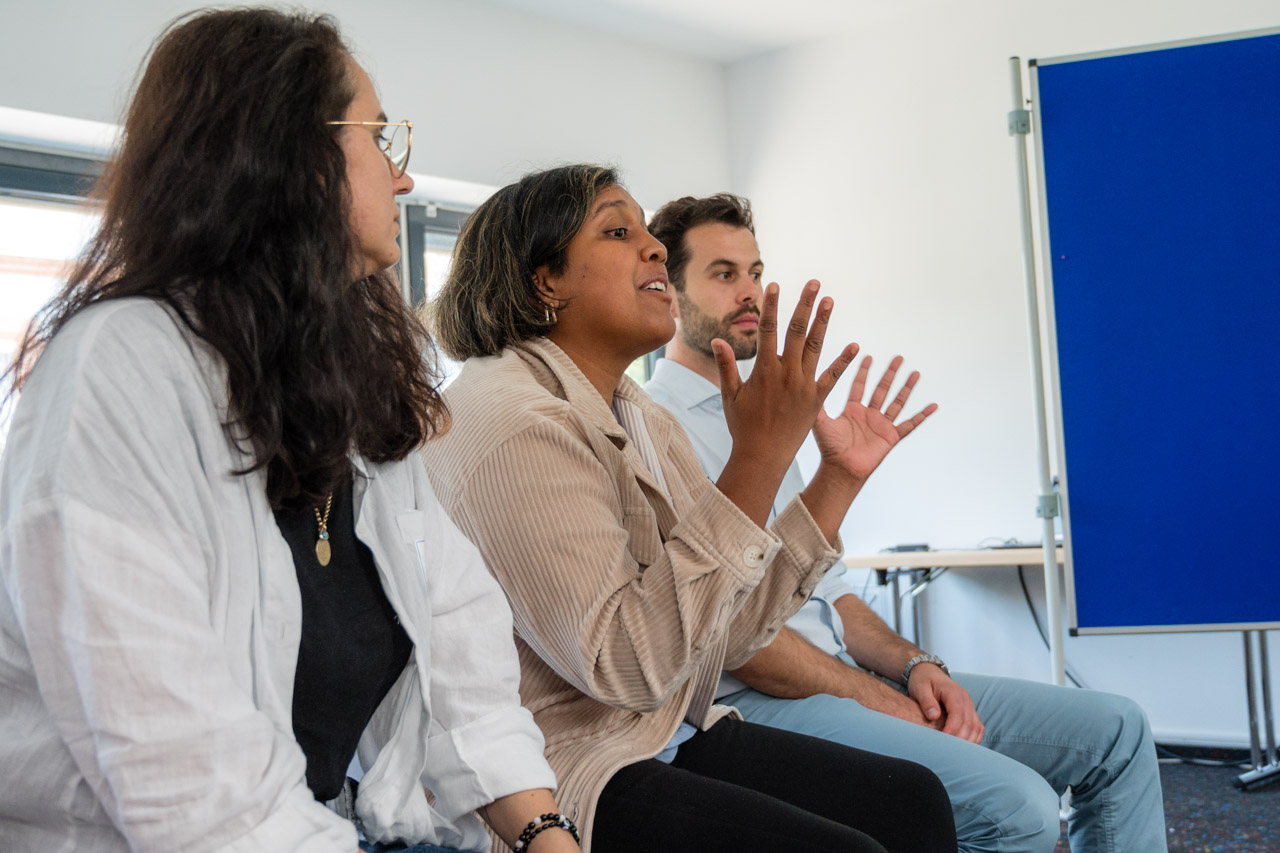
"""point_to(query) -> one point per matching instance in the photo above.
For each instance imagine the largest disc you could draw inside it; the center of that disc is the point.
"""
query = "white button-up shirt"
(150, 617)
(697, 405)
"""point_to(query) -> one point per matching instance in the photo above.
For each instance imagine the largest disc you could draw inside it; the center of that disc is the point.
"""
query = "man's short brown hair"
(674, 219)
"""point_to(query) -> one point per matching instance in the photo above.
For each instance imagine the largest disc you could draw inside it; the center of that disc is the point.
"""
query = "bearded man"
(1005, 749)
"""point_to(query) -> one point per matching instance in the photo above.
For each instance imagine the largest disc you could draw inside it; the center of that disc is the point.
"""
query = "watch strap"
(918, 659)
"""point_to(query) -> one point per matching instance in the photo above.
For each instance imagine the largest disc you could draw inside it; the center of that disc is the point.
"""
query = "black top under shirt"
(353, 647)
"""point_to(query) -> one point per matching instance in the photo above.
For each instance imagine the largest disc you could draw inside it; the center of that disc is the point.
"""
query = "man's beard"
(698, 329)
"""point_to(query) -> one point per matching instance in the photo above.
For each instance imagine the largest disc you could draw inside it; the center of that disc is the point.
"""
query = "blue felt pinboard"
(1160, 173)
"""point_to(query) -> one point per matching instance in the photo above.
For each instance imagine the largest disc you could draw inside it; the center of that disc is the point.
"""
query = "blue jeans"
(376, 847)
(1040, 739)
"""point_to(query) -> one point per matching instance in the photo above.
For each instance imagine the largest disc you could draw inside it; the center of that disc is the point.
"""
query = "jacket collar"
(557, 372)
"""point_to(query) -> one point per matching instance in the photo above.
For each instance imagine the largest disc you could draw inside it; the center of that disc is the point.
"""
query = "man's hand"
(946, 705)
(793, 668)
(875, 695)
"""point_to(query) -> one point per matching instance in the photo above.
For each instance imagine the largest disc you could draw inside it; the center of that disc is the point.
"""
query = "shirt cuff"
(300, 823)
(718, 526)
(805, 543)
(491, 757)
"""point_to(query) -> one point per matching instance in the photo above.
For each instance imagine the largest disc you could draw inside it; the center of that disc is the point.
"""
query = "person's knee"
(1125, 723)
(1019, 812)
(932, 820)
(1035, 824)
(921, 785)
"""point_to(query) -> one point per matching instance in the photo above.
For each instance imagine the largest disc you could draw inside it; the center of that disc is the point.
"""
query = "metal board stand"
(1047, 507)
(1260, 772)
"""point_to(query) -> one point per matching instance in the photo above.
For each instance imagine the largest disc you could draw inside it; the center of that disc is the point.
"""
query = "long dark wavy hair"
(228, 202)
(490, 300)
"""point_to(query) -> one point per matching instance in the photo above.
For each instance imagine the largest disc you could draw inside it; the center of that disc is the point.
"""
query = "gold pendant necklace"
(323, 552)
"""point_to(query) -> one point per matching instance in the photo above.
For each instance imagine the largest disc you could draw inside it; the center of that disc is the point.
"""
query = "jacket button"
(753, 556)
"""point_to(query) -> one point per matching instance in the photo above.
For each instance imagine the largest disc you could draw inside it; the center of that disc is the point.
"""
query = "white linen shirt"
(697, 405)
(150, 619)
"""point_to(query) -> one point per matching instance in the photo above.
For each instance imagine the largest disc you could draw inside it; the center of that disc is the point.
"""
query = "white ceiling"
(720, 30)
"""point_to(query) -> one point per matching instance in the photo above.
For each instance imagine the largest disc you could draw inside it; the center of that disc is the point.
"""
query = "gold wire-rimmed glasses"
(396, 140)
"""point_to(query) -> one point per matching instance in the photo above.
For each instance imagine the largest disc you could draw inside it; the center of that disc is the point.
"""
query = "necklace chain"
(323, 551)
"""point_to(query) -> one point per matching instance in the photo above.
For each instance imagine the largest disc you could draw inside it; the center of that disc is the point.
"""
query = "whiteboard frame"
(1148, 48)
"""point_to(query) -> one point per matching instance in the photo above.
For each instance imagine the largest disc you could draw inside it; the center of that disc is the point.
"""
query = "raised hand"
(771, 412)
(858, 439)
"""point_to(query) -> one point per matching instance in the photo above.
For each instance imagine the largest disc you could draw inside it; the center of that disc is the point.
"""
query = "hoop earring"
(548, 313)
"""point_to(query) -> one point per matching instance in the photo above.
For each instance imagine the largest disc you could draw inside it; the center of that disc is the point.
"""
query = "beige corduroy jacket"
(628, 602)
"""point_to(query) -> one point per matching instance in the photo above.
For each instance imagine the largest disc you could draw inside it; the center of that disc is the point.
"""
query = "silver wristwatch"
(911, 664)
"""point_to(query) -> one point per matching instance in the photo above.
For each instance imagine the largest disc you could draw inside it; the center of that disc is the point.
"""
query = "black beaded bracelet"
(540, 819)
(546, 821)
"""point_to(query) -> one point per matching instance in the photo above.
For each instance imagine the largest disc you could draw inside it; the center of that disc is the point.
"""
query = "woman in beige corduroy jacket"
(633, 579)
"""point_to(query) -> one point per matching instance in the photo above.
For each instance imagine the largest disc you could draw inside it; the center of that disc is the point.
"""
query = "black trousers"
(744, 787)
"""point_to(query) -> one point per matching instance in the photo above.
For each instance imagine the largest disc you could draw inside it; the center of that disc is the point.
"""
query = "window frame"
(44, 175)
(418, 218)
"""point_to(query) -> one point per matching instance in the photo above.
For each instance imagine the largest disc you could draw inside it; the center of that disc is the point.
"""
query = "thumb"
(929, 705)
(730, 381)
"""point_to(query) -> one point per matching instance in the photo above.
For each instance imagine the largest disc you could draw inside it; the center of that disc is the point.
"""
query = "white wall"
(493, 92)
(879, 161)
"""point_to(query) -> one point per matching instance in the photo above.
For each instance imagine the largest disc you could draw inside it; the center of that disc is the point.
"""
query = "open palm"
(858, 439)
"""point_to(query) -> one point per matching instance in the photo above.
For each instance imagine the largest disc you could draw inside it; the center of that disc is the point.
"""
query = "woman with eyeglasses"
(225, 573)
(633, 579)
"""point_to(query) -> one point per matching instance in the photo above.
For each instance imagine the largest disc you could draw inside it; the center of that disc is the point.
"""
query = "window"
(426, 252)
(44, 225)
